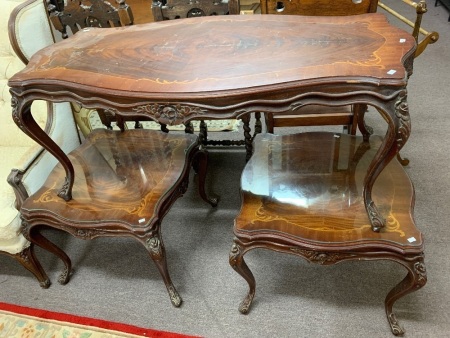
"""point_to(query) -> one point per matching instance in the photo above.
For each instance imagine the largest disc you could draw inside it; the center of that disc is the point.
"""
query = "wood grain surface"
(201, 55)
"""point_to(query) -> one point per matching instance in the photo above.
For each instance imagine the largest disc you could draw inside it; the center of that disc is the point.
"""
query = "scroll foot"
(64, 277)
(403, 160)
(244, 307)
(175, 297)
(396, 329)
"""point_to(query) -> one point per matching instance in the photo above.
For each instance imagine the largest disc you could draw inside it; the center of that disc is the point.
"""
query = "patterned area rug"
(18, 321)
(213, 125)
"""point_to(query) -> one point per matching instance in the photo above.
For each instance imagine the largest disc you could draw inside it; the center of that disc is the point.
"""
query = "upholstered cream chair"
(23, 163)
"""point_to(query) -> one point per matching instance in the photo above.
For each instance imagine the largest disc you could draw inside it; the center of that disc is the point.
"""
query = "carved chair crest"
(78, 14)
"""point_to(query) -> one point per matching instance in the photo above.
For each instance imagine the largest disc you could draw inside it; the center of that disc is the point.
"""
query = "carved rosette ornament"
(322, 258)
(402, 113)
(153, 245)
(173, 113)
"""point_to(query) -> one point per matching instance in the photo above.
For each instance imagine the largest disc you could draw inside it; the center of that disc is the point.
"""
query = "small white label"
(337, 135)
(402, 40)
(411, 240)
(392, 72)
(142, 220)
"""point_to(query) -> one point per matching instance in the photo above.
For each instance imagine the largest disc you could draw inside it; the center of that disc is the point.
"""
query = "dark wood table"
(227, 67)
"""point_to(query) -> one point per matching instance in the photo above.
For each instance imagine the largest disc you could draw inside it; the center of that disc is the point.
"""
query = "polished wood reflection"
(118, 177)
(261, 50)
(309, 186)
(175, 71)
(125, 183)
(302, 195)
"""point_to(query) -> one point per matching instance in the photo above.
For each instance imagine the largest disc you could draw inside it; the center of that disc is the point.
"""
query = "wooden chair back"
(313, 115)
(318, 7)
(79, 14)
(177, 9)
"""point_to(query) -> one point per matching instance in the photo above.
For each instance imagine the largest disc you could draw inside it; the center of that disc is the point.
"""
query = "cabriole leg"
(201, 161)
(238, 264)
(34, 236)
(29, 261)
(155, 247)
(414, 280)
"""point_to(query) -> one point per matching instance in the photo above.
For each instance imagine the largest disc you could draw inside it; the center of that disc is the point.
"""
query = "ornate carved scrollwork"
(25, 229)
(64, 191)
(375, 218)
(402, 113)
(397, 330)
(112, 111)
(15, 110)
(15, 181)
(88, 233)
(23, 255)
(153, 245)
(64, 276)
(322, 258)
(173, 113)
(421, 274)
(235, 252)
(244, 307)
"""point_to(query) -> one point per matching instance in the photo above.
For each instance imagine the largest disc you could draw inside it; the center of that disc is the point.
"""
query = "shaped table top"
(231, 54)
